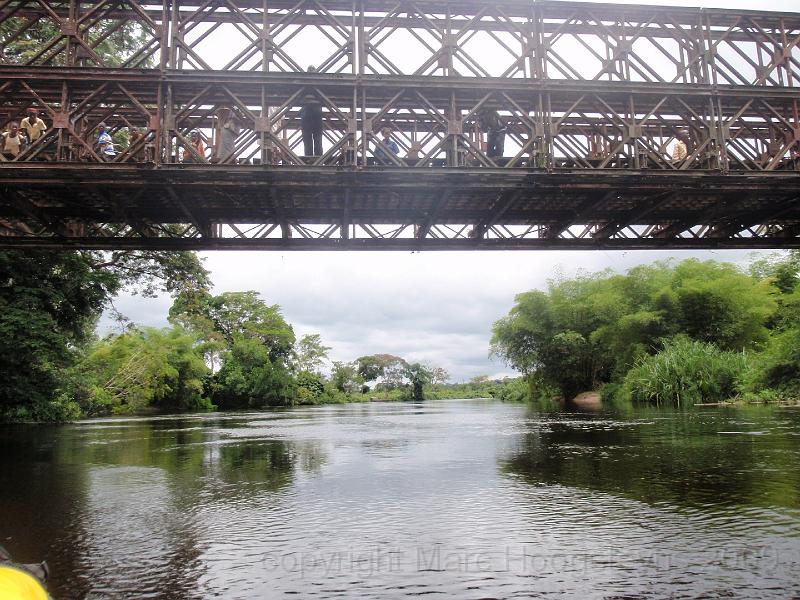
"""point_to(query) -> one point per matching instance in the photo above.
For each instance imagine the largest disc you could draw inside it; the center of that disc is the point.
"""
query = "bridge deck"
(258, 207)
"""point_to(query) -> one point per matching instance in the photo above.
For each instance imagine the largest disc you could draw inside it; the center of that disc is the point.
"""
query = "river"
(452, 499)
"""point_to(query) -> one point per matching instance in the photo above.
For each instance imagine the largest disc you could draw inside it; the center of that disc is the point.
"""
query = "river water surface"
(451, 499)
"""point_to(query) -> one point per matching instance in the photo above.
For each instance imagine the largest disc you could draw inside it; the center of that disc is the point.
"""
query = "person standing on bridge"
(311, 125)
(679, 150)
(105, 143)
(380, 154)
(229, 130)
(12, 142)
(196, 143)
(495, 129)
(33, 126)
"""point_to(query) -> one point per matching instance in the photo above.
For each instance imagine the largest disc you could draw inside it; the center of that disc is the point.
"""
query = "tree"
(254, 342)
(418, 376)
(310, 353)
(345, 377)
(190, 311)
(719, 304)
(519, 337)
(141, 369)
(439, 375)
(149, 273)
(782, 269)
(388, 368)
(775, 372)
(49, 305)
(24, 41)
(592, 329)
(249, 378)
(236, 315)
(310, 388)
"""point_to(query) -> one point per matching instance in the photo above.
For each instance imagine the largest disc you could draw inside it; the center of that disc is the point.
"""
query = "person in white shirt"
(680, 149)
(105, 143)
(12, 142)
(33, 126)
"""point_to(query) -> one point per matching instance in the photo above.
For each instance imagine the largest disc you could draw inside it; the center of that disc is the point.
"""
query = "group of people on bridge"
(19, 135)
(199, 148)
(139, 145)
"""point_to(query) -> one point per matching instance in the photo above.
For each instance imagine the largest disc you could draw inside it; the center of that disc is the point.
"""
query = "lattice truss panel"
(504, 39)
(263, 36)
(117, 33)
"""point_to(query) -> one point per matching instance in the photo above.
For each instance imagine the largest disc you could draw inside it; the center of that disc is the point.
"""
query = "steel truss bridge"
(593, 98)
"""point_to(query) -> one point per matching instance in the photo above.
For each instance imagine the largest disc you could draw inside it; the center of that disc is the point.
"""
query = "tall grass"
(683, 373)
(775, 373)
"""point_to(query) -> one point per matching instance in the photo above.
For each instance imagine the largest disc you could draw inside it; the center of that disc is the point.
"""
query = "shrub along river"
(461, 499)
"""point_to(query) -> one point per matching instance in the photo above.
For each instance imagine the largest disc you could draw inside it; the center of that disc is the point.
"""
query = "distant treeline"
(230, 351)
(668, 333)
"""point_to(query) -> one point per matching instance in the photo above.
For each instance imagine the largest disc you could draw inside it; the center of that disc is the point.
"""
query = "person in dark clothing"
(380, 155)
(311, 125)
(495, 129)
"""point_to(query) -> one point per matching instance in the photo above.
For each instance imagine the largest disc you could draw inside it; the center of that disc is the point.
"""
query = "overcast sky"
(436, 307)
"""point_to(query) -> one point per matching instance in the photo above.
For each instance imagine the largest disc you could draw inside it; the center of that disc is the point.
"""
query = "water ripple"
(472, 500)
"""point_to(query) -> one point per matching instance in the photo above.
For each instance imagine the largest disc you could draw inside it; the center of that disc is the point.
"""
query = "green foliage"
(684, 373)
(254, 343)
(232, 316)
(310, 388)
(418, 376)
(310, 353)
(513, 390)
(250, 378)
(783, 270)
(720, 305)
(521, 337)
(387, 368)
(112, 43)
(49, 302)
(148, 272)
(775, 373)
(59, 410)
(591, 330)
(345, 377)
(144, 369)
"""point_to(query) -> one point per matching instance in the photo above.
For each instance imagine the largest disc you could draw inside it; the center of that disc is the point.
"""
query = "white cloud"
(435, 307)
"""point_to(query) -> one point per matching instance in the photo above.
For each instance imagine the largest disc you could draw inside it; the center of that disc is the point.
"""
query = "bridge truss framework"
(592, 97)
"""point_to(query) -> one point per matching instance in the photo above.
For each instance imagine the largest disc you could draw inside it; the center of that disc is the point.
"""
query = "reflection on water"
(464, 499)
(686, 458)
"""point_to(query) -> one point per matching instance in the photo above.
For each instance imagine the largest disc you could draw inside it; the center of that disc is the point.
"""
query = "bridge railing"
(606, 126)
(569, 85)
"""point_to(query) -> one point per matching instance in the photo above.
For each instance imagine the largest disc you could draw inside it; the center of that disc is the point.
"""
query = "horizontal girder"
(104, 206)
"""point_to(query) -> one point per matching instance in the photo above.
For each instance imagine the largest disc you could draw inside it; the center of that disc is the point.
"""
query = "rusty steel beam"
(374, 244)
